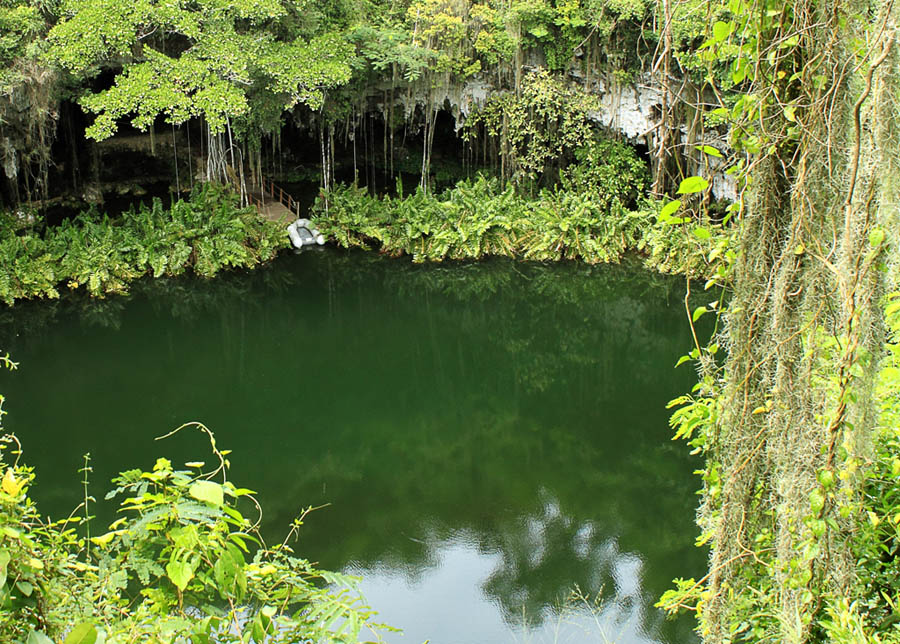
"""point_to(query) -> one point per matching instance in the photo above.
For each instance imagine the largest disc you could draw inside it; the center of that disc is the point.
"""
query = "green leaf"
(4, 562)
(83, 633)
(721, 30)
(701, 233)
(710, 150)
(36, 637)
(208, 491)
(180, 573)
(698, 313)
(25, 587)
(692, 185)
(669, 209)
(876, 236)
(816, 501)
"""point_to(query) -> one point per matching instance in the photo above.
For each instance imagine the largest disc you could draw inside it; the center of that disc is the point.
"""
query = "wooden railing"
(276, 193)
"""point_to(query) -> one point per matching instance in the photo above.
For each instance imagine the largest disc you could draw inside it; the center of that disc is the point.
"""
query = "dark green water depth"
(488, 436)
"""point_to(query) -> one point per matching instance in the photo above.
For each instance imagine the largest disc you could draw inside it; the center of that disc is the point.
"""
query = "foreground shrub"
(182, 564)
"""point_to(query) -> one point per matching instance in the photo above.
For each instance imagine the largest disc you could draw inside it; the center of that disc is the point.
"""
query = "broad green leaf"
(669, 209)
(816, 501)
(180, 572)
(721, 30)
(83, 633)
(692, 185)
(258, 632)
(698, 313)
(826, 478)
(208, 491)
(185, 537)
(701, 233)
(37, 637)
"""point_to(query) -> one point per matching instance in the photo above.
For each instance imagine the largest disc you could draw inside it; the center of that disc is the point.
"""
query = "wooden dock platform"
(274, 204)
(273, 211)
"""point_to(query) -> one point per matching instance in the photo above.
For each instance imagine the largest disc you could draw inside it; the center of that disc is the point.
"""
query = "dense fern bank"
(205, 234)
(478, 219)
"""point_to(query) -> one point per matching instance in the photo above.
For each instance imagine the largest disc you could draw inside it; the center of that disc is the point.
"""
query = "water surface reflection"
(487, 436)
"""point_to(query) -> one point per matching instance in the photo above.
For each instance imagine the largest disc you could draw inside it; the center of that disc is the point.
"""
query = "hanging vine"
(788, 423)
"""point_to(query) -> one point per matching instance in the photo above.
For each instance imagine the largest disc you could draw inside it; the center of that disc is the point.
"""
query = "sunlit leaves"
(669, 209)
(711, 151)
(208, 491)
(183, 60)
(180, 573)
(692, 185)
(83, 633)
(11, 485)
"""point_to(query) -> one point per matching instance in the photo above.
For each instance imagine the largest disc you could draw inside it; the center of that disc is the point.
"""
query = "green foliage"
(20, 23)
(877, 542)
(608, 170)
(207, 233)
(543, 124)
(182, 563)
(872, 614)
(478, 218)
(181, 60)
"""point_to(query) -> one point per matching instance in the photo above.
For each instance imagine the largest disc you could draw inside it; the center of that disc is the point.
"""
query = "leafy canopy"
(182, 59)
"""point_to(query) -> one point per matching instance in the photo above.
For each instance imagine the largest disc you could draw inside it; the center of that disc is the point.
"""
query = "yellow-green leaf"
(692, 185)
(180, 573)
(10, 484)
(710, 150)
(83, 633)
(669, 209)
(208, 491)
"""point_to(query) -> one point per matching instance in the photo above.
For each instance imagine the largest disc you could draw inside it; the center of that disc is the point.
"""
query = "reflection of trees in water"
(538, 558)
(551, 316)
(544, 555)
(557, 511)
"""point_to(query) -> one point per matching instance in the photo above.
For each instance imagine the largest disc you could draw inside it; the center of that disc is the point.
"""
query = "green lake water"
(487, 436)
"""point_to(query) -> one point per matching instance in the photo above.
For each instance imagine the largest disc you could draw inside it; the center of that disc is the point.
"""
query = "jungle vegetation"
(795, 410)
